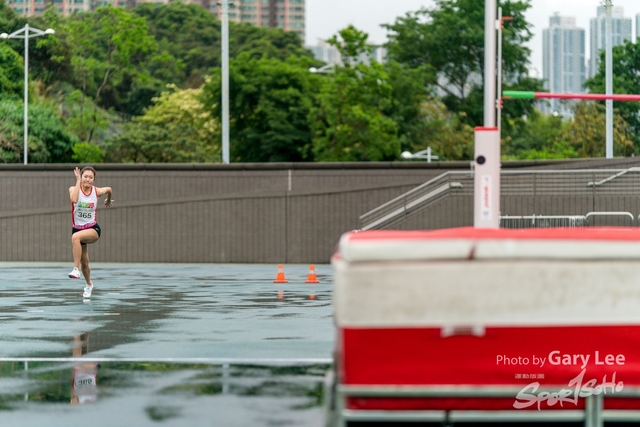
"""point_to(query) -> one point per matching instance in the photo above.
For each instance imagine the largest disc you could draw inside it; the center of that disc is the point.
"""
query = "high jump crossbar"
(512, 94)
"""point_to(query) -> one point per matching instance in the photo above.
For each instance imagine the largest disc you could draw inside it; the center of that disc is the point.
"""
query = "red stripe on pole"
(587, 96)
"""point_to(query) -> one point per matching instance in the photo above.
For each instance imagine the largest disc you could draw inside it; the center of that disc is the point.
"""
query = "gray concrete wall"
(195, 213)
(274, 213)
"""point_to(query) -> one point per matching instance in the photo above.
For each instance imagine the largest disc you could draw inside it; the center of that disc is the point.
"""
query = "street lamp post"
(325, 69)
(26, 33)
(424, 154)
(225, 82)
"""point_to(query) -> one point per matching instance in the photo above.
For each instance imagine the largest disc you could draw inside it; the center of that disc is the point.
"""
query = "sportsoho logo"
(577, 388)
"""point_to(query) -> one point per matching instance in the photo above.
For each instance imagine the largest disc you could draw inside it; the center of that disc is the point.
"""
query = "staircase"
(606, 187)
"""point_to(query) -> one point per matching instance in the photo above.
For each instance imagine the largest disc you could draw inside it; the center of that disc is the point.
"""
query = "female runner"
(84, 201)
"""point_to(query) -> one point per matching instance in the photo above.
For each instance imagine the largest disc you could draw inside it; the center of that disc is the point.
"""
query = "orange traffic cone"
(311, 278)
(280, 276)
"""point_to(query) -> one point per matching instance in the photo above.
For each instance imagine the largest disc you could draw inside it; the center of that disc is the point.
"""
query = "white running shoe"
(75, 273)
(87, 292)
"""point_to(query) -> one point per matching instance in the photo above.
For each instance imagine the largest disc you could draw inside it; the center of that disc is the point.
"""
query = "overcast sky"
(326, 17)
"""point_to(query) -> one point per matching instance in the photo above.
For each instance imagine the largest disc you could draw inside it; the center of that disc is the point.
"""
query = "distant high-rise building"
(324, 52)
(621, 32)
(379, 54)
(286, 14)
(68, 7)
(563, 60)
(327, 53)
(637, 27)
(64, 7)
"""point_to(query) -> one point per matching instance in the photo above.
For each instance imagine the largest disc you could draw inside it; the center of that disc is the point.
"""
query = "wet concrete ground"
(145, 394)
(171, 344)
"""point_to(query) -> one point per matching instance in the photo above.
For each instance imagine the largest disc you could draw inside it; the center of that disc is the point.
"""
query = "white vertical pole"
(26, 368)
(225, 378)
(499, 92)
(609, 79)
(26, 91)
(490, 63)
(487, 138)
(225, 81)
(486, 203)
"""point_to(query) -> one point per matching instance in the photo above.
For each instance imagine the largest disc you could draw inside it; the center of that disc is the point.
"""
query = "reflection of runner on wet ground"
(84, 381)
(176, 394)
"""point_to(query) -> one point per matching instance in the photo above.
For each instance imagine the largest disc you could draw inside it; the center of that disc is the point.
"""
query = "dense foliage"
(49, 140)
(447, 41)
(626, 80)
(176, 128)
(131, 85)
(269, 103)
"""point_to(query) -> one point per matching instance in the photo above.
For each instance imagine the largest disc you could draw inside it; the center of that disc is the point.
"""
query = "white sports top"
(83, 212)
(85, 384)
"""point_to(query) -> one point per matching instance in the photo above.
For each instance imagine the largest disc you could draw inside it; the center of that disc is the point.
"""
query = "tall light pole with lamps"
(26, 33)
(225, 82)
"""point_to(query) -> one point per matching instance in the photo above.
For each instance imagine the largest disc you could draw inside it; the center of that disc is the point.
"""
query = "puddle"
(258, 395)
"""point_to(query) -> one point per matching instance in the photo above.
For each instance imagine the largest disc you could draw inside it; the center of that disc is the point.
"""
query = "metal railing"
(612, 177)
(551, 221)
(519, 183)
(624, 214)
(414, 200)
(593, 414)
(543, 221)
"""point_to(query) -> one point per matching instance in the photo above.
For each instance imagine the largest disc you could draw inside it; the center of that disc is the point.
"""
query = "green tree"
(626, 80)
(536, 136)
(176, 128)
(351, 121)
(449, 137)
(83, 116)
(351, 43)
(269, 104)
(57, 62)
(182, 106)
(449, 39)
(196, 51)
(586, 132)
(514, 110)
(6, 14)
(83, 152)
(11, 71)
(349, 124)
(409, 93)
(107, 44)
(49, 56)
(49, 141)
(259, 42)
